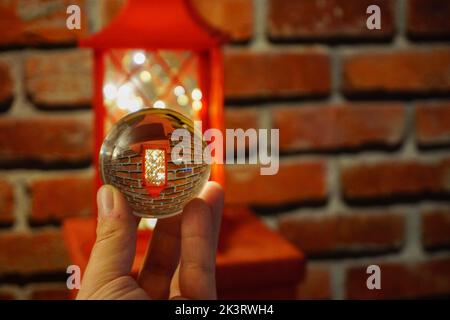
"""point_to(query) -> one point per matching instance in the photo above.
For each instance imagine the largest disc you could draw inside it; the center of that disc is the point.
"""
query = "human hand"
(180, 260)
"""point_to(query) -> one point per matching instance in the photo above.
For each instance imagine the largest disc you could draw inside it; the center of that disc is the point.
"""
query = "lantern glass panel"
(136, 79)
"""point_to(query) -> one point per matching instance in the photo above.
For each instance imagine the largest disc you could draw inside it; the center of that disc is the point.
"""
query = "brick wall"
(365, 135)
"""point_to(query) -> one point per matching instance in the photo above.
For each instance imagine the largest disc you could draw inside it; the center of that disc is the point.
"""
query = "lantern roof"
(156, 24)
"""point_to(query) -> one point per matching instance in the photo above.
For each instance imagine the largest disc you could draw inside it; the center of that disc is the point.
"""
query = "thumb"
(113, 253)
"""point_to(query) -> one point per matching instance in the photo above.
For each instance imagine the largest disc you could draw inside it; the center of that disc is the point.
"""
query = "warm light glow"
(150, 223)
(123, 102)
(197, 105)
(145, 76)
(110, 91)
(179, 91)
(125, 90)
(126, 99)
(196, 94)
(139, 57)
(183, 100)
(155, 167)
(135, 104)
(124, 96)
(159, 104)
(147, 224)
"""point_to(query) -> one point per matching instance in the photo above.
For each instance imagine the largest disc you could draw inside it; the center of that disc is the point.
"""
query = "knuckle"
(108, 232)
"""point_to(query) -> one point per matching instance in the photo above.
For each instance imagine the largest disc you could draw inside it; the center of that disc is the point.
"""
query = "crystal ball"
(136, 158)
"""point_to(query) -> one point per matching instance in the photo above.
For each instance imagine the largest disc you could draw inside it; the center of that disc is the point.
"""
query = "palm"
(124, 288)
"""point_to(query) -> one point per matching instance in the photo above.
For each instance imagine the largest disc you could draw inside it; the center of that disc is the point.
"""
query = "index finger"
(199, 236)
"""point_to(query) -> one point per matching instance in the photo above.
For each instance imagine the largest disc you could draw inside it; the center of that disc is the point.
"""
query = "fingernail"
(106, 200)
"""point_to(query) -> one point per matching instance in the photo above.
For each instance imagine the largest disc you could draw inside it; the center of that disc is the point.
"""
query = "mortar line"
(259, 41)
(338, 280)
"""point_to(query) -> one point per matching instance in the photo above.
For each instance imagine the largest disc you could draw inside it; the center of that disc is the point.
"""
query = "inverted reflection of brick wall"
(125, 171)
(364, 120)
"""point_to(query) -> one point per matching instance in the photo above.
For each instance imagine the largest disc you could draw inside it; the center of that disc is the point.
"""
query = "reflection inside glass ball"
(136, 158)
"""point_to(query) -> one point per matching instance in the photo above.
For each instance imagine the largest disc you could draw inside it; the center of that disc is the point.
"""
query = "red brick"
(274, 74)
(397, 178)
(319, 234)
(241, 118)
(413, 279)
(433, 123)
(334, 127)
(316, 284)
(61, 197)
(233, 17)
(50, 292)
(428, 18)
(244, 118)
(332, 19)
(295, 182)
(110, 9)
(6, 86)
(45, 140)
(61, 79)
(415, 71)
(39, 22)
(7, 294)
(6, 202)
(32, 253)
(436, 228)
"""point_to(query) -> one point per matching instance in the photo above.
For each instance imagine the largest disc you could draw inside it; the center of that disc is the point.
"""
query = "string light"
(183, 100)
(145, 76)
(126, 100)
(110, 91)
(197, 105)
(123, 102)
(139, 57)
(125, 90)
(196, 94)
(179, 91)
(123, 96)
(135, 104)
(159, 104)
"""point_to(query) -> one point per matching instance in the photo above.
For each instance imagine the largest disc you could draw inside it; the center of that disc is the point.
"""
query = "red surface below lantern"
(252, 261)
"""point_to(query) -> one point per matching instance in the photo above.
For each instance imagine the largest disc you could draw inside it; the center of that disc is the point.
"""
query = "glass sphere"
(136, 158)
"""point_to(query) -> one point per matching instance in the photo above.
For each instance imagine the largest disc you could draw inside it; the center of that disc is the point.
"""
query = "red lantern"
(160, 53)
